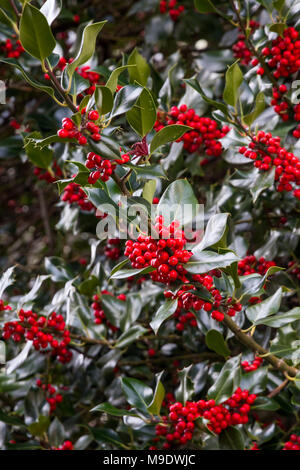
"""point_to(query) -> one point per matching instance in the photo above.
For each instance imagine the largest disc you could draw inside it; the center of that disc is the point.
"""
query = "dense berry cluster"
(112, 248)
(250, 264)
(205, 134)
(178, 427)
(172, 8)
(99, 314)
(52, 397)
(165, 254)
(46, 175)
(93, 77)
(255, 364)
(102, 168)
(69, 129)
(267, 152)
(283, 55)
(73, 194)
(4, 307)
(35, 329)
(240, 49)
(189, 300)
(12, 49)
(293, 443)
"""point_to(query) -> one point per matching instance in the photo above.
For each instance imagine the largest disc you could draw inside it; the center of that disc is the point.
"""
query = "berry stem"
(248, 341)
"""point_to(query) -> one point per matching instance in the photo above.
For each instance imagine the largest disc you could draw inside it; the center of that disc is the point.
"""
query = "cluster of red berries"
(30, 327)
(250, 264)
(178, 427)
(103, 169)
(69, 129)
(266, 152)
(240, 49)
(112, 249)
(255, 364)
(295, 271)
(14, 124)
(11, 49)
(73, 194)
(67, 445)
(165, 254)
(187, 300)
(4, 307)
(284, 54)
(93, 77)
(293, 443)
(99, 314)
(53, 398)
(204, 136)
(45, 175)
(171, 7)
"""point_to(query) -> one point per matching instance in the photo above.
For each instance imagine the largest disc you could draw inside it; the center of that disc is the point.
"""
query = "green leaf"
(40, 157)
(141, 72)
(266, 404)
(114, 308)
(137, 393)
(233, 80)
(142, 116)
(204, 6)
(231, 438)
(207, 260)
(168, 134)
(104, 99)
(227, 382)
(185, 390)
(265, 180)
(35, 34)
(112, 82)
(164, 312)
(149, 190)
(4, 18)
(56, 433)
(125, 99)
(278, 28)
(125, 273)
(106, 435)
(87, 46)
(11, 420)
(214, 340)
(159, 394)
(40, 427)
(131, 335)
(51, 9)
(47, 89)
(258, 109)
(193, 82)
(264, 309)
(278, 321)
(214, 233)
(112, 410)
(178, 202)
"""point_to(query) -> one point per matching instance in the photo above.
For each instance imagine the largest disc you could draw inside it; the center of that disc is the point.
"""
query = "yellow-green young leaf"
(159, 394)
(142, 116)
(278, 28)
(104, 99)
(258, 109)
(233, 80)
(87, 46)
(35, 34)
(141, 72)
(149, 190)
(204, 6)
(112, 82)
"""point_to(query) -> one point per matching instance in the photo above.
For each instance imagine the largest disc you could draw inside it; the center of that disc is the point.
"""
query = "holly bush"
(123, 339)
